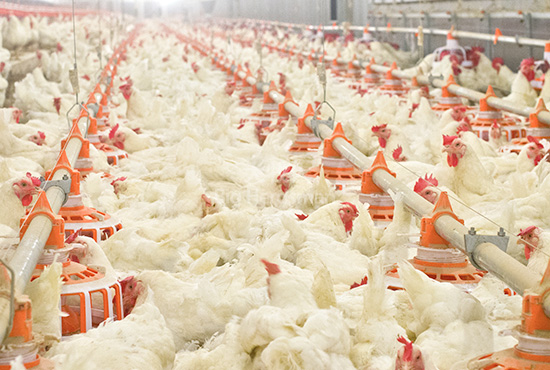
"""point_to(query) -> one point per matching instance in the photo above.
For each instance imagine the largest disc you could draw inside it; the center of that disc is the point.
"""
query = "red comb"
(113, 132)
(118, 179)
(498, 60)
(407, 354)
(448, 140)
(42, 135)
(378, 128)
(527, 230)
(301, 216)
(463, 127)
(532, 139)
(423, 183)
(286, 170)
(351, 205)
(495, 124)
(527, 62)
(35, 180)
(71, 238)
(271, 268)
(364, 281)
(397, 152)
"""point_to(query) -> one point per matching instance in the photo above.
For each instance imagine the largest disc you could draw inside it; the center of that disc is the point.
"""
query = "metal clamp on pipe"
(64, 184)
(432, 78)
(262, 86)
(316, 122)
(93, 108)
(472, 240)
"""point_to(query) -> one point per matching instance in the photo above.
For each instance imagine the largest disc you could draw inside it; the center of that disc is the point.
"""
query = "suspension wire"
(321, 69)
(74, 74)
(100, 47)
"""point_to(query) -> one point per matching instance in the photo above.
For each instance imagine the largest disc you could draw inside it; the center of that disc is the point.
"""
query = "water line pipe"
(486, 255)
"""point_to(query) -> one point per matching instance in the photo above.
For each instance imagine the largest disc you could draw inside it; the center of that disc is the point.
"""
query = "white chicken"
(141, 341)
(375, 336)
(537, 248)
(334, 219)
(445, 317)
(522, 91)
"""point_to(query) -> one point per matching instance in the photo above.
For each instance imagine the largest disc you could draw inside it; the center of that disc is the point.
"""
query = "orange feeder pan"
(372, 79)
(353, 71)
(103, 111)
(282, 117)
(283, 113)
(114, 155)
(436, 258)
(87, 295)
(353, 77)
(392, 85)
(269, 112)
(338, 170)
(447, 99)
(20, 341)
(536, 129)
(380, 203)
(95, 224)
(305, 142)
(481, 124)
(424, 90)
(83, 163)
(336, 68)
(247, 91)
(533, 349)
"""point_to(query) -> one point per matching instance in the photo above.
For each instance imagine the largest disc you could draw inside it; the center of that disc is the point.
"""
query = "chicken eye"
(23, 184)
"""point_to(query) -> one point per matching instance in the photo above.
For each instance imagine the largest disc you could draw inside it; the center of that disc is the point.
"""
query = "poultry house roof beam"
(487, 255)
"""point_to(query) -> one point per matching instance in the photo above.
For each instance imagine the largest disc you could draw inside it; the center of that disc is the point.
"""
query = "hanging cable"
(73, 73)
(99, 48)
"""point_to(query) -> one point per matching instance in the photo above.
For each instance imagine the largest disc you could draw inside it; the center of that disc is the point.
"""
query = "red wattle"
(452, 160)
(349, 226)
(527, 252)
(119, 145)
(26, 200)
(382, 142)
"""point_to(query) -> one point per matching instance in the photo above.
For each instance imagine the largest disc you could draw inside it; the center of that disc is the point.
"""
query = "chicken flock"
(229, 256)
